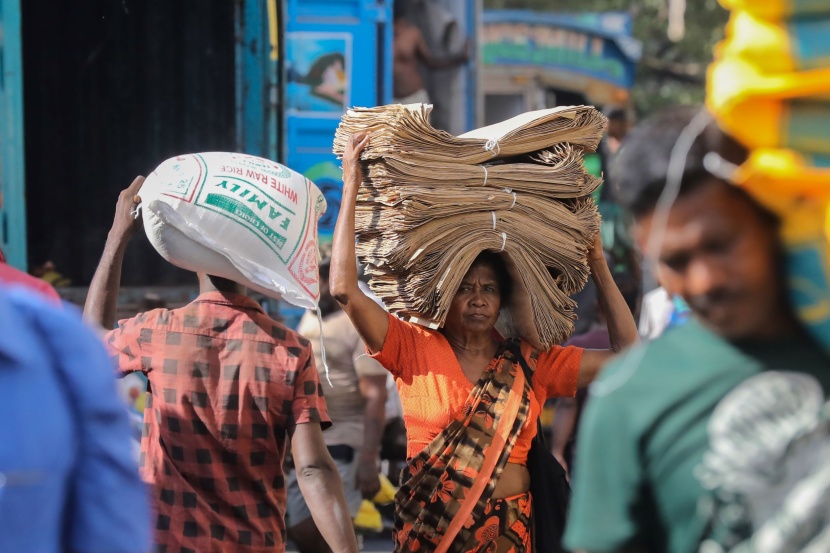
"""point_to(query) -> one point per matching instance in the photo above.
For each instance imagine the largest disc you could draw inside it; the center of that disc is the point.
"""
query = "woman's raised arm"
(370, 320)
(622, 330)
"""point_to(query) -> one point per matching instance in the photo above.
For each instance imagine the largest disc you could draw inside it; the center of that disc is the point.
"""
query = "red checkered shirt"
(225, 382)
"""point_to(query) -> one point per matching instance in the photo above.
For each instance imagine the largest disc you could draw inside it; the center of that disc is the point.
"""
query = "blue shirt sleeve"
(107, 510)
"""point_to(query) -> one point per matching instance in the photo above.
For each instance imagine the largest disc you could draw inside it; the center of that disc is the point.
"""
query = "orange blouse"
(433, 388)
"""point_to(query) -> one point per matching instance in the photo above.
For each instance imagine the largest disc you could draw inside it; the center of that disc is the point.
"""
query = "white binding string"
(493, 146)
(493, 213)
(514, 197)
(323, 345)
(660, 220)
(136, 211)
(503, 240)
(485, 175)
(720, 167)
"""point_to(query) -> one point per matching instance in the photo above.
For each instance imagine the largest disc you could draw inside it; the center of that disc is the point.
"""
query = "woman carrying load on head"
(470, 413)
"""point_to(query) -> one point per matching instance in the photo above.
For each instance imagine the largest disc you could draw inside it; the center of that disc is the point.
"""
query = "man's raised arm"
(102, 298)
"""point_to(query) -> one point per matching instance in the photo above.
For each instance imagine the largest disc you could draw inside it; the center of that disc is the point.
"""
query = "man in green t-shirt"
(716, 436)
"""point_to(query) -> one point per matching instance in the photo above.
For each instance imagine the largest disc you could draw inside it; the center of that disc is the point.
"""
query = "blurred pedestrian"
(661, 312)
(617, 129)
(714, 436)
(10, 275)
(356, 400)
(68, 478)
(410, 50)
(227, 384)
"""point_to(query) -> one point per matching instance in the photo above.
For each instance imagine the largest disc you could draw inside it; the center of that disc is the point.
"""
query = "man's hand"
(368, 480)
(373, 390)
(127, 219)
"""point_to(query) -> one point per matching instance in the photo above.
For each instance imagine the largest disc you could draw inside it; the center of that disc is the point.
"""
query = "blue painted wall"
(337, 55)
(257, 61)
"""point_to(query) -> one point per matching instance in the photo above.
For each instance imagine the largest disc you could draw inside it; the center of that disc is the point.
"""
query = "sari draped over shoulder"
(445, 497)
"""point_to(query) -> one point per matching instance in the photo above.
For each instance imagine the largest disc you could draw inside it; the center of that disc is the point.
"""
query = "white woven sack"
(240, 217)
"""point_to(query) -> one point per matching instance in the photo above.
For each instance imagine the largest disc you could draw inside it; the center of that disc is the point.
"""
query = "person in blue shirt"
(68, 479)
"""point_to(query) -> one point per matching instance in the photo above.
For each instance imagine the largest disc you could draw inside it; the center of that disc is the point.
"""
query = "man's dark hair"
(224, 284)
(399, 10)
(641, 165)
(617, 114)
(493, 260)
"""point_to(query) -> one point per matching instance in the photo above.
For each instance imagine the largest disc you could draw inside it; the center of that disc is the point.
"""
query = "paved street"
(377, 544)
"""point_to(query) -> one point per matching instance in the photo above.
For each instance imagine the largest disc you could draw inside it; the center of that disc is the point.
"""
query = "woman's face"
(475, 307)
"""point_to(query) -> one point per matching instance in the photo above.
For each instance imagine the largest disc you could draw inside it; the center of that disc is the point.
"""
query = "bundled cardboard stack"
(430, 202)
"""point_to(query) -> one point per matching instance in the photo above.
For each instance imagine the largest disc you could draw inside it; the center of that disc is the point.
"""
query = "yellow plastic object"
(800, 125)
(732, 80)
(764, 43)
(386, 494)
(273, 29)
(368, 517)
(780, 111)
(775, 177)
(778, 9)
(805, 234)
(778, 46)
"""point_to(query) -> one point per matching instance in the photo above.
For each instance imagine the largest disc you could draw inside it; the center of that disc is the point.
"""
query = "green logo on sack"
(259, 201)
(259, 207)
(242, 211)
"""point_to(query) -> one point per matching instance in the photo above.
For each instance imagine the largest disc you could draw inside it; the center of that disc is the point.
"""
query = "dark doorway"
(111, 89)
(559, 97)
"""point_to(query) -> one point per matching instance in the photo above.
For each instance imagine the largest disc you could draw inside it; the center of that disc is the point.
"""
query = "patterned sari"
(457, 473)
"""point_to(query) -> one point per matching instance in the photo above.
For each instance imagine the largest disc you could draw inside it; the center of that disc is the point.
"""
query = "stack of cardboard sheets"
(430, 202)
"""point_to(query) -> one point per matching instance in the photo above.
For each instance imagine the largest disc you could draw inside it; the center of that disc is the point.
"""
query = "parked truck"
(93, 93)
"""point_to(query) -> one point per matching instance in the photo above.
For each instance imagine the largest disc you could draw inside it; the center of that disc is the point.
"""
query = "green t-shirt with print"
(692, 443)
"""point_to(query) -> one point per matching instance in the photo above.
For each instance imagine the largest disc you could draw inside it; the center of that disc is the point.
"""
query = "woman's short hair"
(489, 258)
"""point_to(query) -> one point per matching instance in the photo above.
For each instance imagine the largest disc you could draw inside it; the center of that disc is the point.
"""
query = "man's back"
(225, 382)
(670, 409)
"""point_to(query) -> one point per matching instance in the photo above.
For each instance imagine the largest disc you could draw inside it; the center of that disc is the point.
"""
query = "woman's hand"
(352, 176)
(595, 252)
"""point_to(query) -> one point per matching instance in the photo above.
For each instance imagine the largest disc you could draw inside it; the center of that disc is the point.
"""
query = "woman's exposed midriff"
(514, 480)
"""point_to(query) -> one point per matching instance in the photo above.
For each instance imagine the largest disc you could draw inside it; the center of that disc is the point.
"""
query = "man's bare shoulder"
(410, 34)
